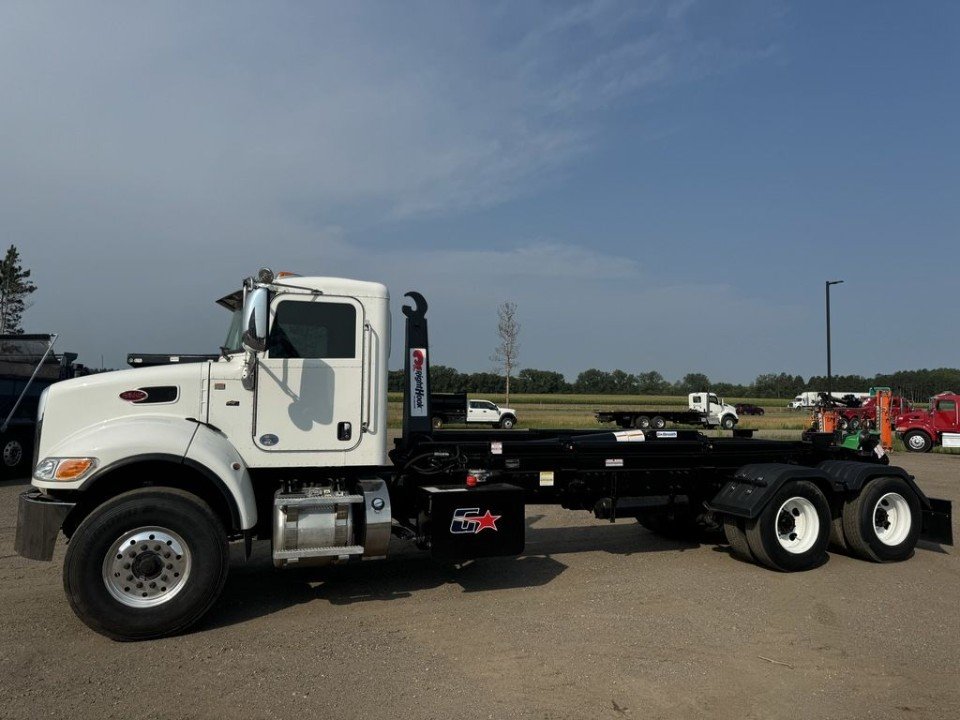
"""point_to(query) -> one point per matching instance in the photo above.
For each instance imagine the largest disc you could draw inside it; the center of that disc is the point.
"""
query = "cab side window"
(947, 405)
(313, 330)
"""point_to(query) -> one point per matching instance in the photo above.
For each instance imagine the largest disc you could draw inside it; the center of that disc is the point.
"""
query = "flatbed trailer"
(655, 418)
(148, 528)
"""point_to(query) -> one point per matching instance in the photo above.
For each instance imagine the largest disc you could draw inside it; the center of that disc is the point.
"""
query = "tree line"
(916, 385)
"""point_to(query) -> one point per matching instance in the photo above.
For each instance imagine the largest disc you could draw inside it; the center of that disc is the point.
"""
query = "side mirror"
(255, 320)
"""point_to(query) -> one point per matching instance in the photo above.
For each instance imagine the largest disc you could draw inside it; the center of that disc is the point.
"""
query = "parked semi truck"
(939, 424)
(151, 473)
(703, 408)
(854, 418)
(446, 408)
(813, 398)
(28, 364)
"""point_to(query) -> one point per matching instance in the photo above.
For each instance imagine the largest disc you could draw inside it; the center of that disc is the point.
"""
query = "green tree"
(15, 286)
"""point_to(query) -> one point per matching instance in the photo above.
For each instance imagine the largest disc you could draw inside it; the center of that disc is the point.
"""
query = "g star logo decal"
(469, 521)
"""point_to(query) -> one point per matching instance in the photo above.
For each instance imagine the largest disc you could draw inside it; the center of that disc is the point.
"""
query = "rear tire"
(642, 422)
(854, 424)
(146, 608)
(842, 423)
(658, 423)
(737, 539)
(882, 523)
(918, 441)
(793, 530)
(436, 422)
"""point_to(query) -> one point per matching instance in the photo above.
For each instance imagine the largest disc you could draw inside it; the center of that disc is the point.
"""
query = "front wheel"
(508, 422)
(728, 422)
(145, 564)
(882, 523)
(793, 530)
(918, 441)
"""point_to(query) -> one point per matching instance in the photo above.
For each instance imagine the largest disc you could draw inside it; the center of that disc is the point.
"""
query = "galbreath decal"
(469, 521)
(418, 382)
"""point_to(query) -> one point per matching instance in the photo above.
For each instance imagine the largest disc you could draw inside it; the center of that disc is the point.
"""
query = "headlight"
(64, 469)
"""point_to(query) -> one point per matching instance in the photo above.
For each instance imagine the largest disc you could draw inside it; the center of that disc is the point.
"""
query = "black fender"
(753, 486)
(849, 477)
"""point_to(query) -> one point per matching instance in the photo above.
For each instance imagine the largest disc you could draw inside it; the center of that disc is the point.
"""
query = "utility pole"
(829, 368)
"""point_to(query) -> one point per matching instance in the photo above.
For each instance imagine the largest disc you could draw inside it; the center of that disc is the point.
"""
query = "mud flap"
(938, 522)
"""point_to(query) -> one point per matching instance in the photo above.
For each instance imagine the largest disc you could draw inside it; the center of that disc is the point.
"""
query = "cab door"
(309, 390)
(945, 415)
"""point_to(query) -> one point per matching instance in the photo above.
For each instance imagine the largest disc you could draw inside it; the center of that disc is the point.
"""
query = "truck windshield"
(233, 343)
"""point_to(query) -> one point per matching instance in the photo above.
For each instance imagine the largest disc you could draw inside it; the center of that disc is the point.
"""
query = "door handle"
(344, 430)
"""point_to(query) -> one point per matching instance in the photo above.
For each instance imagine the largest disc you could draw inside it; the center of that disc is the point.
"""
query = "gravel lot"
(595, 620)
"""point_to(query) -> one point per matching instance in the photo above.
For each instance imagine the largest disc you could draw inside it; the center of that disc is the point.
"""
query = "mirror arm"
(248, 377)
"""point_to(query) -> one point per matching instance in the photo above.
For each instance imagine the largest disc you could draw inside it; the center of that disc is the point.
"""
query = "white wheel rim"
(146, 567)
(892, 519)
(798, 525)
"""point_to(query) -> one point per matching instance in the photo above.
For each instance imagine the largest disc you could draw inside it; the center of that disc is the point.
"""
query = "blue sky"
(659, 185)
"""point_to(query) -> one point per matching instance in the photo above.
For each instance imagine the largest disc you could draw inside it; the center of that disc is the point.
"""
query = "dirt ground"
(594, 620)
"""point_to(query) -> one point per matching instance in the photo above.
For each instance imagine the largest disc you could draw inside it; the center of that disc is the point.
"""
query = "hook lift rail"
(151, 472)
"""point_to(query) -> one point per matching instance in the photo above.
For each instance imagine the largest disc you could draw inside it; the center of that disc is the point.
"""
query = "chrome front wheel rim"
(146, 567)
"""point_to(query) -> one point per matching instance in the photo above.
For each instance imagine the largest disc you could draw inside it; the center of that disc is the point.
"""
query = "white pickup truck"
(454, 407)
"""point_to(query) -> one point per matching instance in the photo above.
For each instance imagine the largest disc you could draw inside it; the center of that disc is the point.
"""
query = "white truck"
(448, 408)
(150, 473)
(811, 398)
(704, 409)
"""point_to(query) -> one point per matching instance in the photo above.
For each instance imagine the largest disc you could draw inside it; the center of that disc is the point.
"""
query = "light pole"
(829, 373)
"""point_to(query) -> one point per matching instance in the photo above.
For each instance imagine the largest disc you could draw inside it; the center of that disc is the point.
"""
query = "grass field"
(577, 411)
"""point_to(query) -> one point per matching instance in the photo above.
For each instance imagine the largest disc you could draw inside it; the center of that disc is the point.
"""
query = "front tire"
(728, 422)
(882, 523)
(793, 529)
(918, 441)
(508, 422)
(145, 564)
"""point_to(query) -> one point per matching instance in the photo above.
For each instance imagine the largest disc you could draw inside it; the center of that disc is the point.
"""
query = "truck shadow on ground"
(256, 589)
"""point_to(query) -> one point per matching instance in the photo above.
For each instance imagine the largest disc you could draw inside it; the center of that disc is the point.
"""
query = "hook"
(420, 306)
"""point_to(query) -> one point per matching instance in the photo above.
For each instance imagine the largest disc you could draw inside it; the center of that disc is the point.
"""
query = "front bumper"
(39, 518)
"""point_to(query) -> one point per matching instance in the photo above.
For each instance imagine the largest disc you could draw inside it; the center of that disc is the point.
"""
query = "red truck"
(920, 430)
(866, 415)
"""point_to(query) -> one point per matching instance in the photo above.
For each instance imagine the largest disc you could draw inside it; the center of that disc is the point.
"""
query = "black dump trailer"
(462, 493)
(446, 408)
(27, 366)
